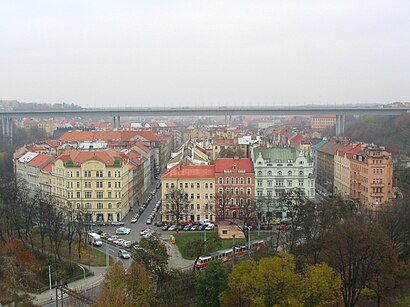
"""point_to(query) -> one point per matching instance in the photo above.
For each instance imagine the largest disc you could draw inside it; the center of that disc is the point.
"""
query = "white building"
(278, 170)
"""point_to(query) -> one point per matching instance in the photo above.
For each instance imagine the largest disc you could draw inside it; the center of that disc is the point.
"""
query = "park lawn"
(183, 237)
(89, 255)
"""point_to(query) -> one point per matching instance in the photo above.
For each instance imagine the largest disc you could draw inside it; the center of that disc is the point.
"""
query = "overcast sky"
(156, 53)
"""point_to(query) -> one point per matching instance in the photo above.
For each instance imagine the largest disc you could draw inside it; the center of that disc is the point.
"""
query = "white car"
(126, 243)
(149, 221)
(98, 243)
(145, 231)
(112, 238)
(173, 228)
(210, 227)
(123, 231)
(133, 220)
(123, 254)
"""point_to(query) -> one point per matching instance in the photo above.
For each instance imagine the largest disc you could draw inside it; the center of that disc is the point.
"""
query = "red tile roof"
(47, 167)
(39, 160)
(190, 171)
(52, 143)
(79, 157)
(80, 136)
(222, 164)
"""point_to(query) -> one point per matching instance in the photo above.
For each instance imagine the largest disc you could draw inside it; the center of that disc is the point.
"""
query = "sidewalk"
(78, 285)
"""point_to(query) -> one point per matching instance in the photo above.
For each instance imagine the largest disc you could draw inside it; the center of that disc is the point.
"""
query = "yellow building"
(198, 184)
(96, 182)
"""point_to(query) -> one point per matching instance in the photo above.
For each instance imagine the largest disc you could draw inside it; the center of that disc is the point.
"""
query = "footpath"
(80, 286)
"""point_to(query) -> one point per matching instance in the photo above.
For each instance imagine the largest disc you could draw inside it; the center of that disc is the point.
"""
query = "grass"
(183, 237)
(88, 255)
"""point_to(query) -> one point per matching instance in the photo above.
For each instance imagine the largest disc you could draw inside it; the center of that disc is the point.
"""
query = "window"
(109, 194)
(198, 185)
(181, 185)
(87, 173)
(237, 180)
(109, 184)
(198, 217)
(109, 173)
(78, 206)
(78, 194)
(206, 195)
(87, 206)
(301, 183)
(269, 183)
(220, 191)
(259, 183)
(227, 180)
(249, 180)
(259, 192)
(87, 184)
(109, 205)
(192, 185)
(269, 173)
(100, 194)
(99, 184)
(198, 196)
(99, 174)
(87, 194)
(192, 206)
(279, 183)
(206, 185)
(289, 173)
(289, 183)
(78, 184)
(241, 180)
(211, 185)
(192, 195)
(279, 173)
(77, 173)
(211, 196)
(259, 173)
(186, 185)
(100, 206)
(167, 185)
(220, 180)
(300, 173)
(248, 191)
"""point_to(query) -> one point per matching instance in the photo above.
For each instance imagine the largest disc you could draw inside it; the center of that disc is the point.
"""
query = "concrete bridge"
(116, 113)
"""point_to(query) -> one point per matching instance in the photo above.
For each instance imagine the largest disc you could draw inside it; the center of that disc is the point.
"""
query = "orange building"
(371, 177)
(322, 121)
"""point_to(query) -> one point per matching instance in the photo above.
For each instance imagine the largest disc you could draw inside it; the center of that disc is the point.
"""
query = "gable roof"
(222, 164)
(75, 158)
(190, 171)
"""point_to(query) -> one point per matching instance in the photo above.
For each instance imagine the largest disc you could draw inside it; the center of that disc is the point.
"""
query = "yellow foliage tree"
(274, 282)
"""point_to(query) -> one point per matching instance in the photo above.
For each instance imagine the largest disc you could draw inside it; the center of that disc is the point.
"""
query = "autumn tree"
(131, 289)
(210, 284)
(153, 255)
(198, 247)
(357, 251)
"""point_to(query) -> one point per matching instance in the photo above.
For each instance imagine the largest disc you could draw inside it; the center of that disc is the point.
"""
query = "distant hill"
(14, 105)
(391, 131)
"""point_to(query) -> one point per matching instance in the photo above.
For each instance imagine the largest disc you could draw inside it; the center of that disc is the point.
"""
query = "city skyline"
(194, 53)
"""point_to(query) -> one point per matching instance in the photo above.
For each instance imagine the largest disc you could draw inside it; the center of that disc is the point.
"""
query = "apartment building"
(278, 170)
(342, 168)
(198, 184)
(371, 172)
(322, 121)
(96, 182)
(235, 188)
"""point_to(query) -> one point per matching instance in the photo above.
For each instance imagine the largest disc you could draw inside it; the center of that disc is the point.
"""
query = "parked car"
(281, 227)
(122, 231)
(104, 235)
(119, 241)
(210, 227)
(97, 243)
(153, 192)
(201, 227)
(158, 185)
(144, 205)
(137, 216)
(115, 241)
(275, 222)
(102, 223)
(166, 226)
(97, 231)
(133, 220)
(123, 254)
(159, 224)
(126, 243)
(149, 221)
(172, 228)
(194, 227)
(117, 223)
(111, 238)
(186, 227)
(146, 230)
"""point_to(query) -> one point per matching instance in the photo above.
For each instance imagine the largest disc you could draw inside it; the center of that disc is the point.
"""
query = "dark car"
(97, 231)
(166, 226)
(159, 224)
(158, 185)
(118, 223)
(201, 227)
(102, 223)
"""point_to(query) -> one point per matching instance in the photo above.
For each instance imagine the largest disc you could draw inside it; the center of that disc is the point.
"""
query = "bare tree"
(176, 202)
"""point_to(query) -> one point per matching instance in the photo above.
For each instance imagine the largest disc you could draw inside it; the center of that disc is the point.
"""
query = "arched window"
(234, 214)
(259, 173)
(300, 173)
(269, 173)
(279, 173)
(290, 173)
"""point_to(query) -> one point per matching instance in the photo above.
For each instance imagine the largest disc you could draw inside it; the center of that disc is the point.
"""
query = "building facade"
(235, 188)
(371, 172)
(95, 182)
(322, 121)
(198, 185)
(278, 170)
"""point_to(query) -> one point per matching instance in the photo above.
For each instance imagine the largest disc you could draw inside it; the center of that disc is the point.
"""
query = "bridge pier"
(7, 128)
(116, 123)
(340, 124)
